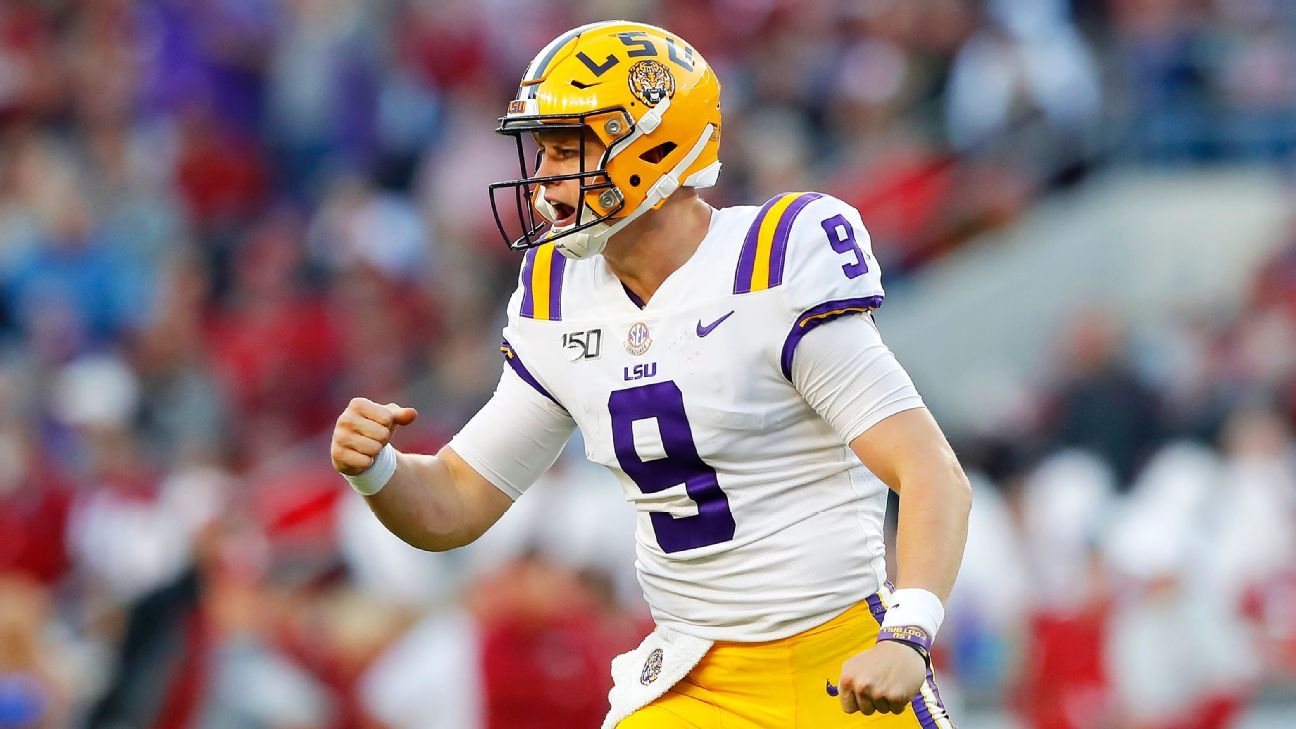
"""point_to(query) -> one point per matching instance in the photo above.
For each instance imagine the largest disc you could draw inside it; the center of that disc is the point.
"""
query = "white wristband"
(372, 479)
(915, 606)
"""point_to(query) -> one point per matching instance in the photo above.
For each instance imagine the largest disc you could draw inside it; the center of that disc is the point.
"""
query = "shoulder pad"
(830, 270)
(764, 250)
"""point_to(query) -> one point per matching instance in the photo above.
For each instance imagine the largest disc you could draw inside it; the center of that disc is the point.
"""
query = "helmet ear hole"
(634, 180)
(658, 153)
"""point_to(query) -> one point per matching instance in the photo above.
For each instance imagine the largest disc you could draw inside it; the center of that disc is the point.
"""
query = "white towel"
(645, 673)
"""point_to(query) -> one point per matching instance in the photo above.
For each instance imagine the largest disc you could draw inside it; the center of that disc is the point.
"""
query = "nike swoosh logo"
(702, 331)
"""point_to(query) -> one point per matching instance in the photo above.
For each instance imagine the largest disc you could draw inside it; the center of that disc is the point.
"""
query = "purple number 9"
(664, 402)
(841, 236)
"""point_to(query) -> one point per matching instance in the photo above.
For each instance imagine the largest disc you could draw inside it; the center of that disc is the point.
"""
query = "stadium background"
(221, 219)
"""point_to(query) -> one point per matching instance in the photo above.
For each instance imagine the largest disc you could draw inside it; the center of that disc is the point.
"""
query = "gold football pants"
(783, 684)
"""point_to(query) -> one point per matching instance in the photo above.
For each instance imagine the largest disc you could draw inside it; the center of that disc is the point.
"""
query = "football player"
(724, 364)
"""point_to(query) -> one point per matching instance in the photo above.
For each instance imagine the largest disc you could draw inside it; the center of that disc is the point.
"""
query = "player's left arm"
(835, 357)
(910, 454)
(850, 377)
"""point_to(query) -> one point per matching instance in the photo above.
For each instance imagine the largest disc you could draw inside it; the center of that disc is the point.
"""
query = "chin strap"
(705, 177)
(593, 240)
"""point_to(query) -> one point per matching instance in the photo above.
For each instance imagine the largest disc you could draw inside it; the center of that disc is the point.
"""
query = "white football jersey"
(755, 520)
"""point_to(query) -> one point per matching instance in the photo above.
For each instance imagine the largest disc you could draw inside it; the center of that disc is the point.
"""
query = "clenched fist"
(882, 679)
(362, 430)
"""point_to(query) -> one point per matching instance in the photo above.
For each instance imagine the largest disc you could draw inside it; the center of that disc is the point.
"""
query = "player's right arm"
(431, 502)
(443, 501)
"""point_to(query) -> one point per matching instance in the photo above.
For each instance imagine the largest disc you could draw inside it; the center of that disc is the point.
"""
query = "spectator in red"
(546, 642)
(34, 506)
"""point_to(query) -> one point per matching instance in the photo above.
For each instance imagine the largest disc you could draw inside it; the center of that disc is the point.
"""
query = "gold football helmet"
(652, 101)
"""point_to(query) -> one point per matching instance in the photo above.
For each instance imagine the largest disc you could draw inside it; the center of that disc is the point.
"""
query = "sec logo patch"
(638, 340)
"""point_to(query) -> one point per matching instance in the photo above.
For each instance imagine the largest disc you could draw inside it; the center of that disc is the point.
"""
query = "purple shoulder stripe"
(528, 296)
(764, 252)
(514, 361)
(822, 314)
(782, 233)
(557, 267)
(747, 258)
(542, 279)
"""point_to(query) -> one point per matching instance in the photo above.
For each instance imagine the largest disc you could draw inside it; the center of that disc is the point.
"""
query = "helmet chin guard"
(576, 244)
(585, 243)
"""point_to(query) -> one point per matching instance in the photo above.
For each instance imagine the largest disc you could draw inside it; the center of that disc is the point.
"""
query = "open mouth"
(566, 214)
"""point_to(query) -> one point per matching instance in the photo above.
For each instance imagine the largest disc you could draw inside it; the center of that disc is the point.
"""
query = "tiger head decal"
(651, 81)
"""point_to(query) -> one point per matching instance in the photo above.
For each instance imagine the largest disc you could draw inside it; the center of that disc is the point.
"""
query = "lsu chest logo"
(639, 371)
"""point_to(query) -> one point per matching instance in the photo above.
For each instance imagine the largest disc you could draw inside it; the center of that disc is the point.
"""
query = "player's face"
(560, 154)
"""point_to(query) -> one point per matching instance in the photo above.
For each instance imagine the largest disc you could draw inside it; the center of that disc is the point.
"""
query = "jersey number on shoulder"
(841, 236)
(663, 402)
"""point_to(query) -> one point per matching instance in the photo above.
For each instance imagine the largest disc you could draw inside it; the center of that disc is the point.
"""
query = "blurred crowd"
(1132, 551)
(221, 219)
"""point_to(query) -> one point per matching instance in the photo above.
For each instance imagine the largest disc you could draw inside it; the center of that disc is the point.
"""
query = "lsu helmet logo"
(651, 81)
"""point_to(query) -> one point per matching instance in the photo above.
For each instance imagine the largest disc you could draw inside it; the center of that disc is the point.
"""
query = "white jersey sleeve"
(515, 437)
(850, 377)
(521, 430)
(830, 271)
(844, 371)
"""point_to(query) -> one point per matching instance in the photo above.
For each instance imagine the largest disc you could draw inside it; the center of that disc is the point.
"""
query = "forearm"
(428, 505)
(935, 499)
(911, 455)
